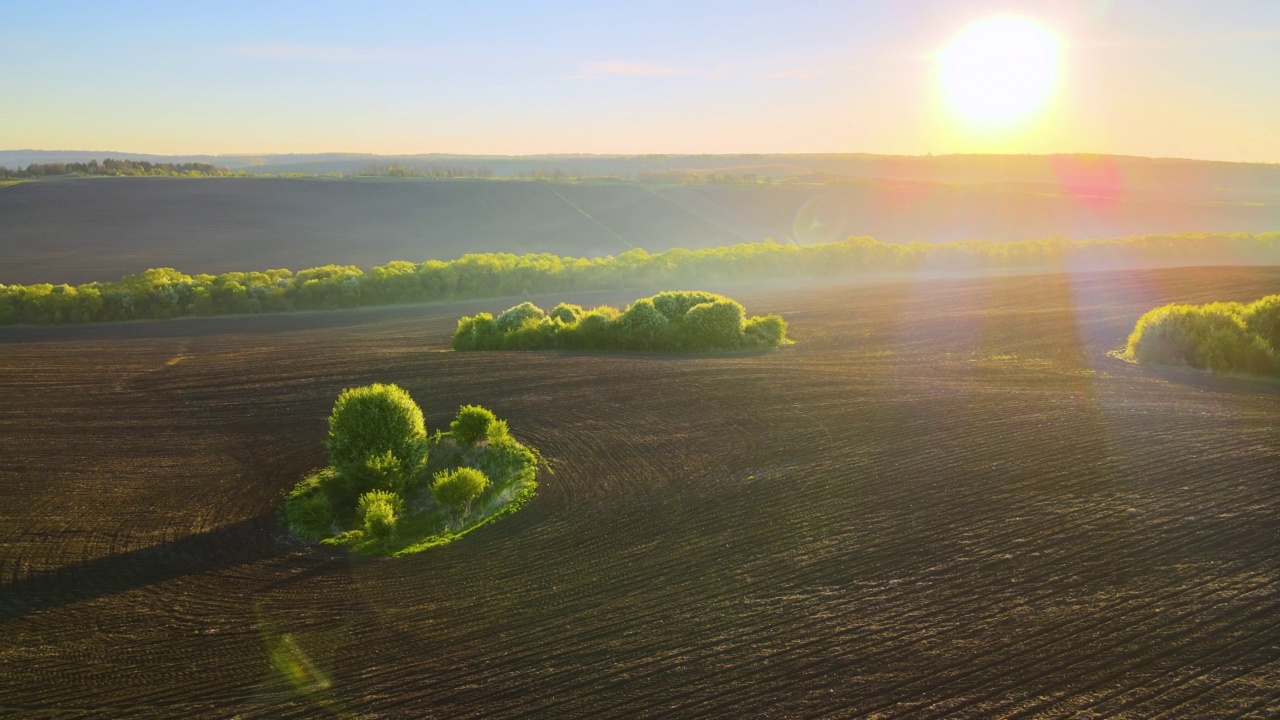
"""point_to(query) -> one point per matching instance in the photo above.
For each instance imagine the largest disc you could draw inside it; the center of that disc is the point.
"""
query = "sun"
(1000, 70)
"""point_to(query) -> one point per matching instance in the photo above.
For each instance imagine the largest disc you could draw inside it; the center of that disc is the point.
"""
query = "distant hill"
(102, 228)
(1180, 178)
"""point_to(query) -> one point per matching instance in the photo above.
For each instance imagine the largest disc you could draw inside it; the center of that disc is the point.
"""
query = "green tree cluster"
(1224, 337)
(114, 167)
(671, 321)
(167, 293)
(384, 476)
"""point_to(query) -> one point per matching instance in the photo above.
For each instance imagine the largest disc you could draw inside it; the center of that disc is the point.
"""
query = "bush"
(377, 439)
(515, 317)
(710, 321)
(674, 304)
(472, 424)
(457, 488)
(378, 511)
(641, 324)
(717, 323)
(478, 332)
(1215, 337)
(595, 329)
(766, 330)
(1262, 318)
(566, 313)
(310, 516)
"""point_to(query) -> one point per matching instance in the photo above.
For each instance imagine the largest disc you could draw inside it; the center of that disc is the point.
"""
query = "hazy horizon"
(1178, 80)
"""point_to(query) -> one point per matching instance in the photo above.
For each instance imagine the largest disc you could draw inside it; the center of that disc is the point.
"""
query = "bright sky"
(1183, 78)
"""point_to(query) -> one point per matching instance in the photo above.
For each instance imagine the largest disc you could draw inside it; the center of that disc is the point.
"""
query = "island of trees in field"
(114, 168)
(392, 489)
(167, 293)
(672, 321)
(1222, 337)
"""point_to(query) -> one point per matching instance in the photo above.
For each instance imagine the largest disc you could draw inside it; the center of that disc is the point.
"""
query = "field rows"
(944, 501)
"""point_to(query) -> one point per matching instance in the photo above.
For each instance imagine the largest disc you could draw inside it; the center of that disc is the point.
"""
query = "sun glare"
(1000, 70)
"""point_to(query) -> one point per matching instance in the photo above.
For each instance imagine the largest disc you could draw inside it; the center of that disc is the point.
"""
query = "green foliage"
(566, 313)
(378, 507)
(310, 515)
(717, 323)
(456, 489)
(641, 324)
(1220, 337)
(1262, 318)
(707, 322)
(675, 303)
(766, 330)
(377, 440)
(472, 424)
(378, 511)
(478, 332)
(518, 316)
(166, 293)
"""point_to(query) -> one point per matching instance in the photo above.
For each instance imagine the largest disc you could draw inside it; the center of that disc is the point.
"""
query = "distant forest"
(167, 293)
(114, 168)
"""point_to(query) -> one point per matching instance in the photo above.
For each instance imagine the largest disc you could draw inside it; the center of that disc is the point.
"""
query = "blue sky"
(1169, 78)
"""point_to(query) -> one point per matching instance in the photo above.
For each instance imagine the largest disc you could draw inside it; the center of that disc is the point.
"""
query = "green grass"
(512, 469)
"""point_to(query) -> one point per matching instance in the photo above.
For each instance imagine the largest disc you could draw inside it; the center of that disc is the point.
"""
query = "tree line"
(113, 167)
(163, 293)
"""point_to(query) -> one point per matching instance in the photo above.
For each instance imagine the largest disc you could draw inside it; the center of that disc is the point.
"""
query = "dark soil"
(83, 230)
(944, 501)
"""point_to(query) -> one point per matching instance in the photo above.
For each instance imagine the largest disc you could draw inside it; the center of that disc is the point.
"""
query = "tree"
(377, 437)
(717, 323)
(378, 511)
(457, 488)
(472, 424)
(516, 316)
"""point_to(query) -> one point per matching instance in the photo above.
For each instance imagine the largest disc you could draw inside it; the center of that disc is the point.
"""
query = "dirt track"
(944, 501)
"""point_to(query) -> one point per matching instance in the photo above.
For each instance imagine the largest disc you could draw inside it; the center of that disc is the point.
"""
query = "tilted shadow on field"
(248, 541)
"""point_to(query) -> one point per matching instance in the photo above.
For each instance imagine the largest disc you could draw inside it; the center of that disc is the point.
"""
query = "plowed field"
(944, 501)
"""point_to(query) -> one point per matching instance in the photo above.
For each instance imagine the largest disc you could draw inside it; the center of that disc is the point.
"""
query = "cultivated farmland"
(76, 231)
(944, 500)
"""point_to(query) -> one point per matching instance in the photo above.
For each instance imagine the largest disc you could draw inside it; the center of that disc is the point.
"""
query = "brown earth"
(945, 500)
(76, 231)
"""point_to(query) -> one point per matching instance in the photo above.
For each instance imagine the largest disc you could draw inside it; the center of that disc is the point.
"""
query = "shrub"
(1262, 318)
(310, 516)
(595, 329)
(472, 424)
(457, 488)
(479, 332)
(498, 432)
(675, 303)
(717, 323)
(378, 511)
(1212, 337)
(766, 330)
(566, 313)
(515, 317)
(377, 438)
(642, 323)
(533, 334)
